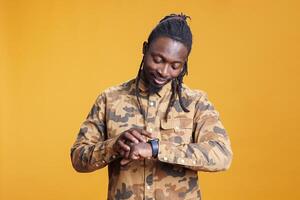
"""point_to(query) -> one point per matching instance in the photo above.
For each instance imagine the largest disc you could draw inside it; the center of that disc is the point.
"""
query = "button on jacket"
(188, 142)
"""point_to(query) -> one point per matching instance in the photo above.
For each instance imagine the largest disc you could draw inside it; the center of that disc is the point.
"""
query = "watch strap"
(154, 146)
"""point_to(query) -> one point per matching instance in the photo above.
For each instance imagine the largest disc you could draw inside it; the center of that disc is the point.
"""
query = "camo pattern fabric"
(188, 142)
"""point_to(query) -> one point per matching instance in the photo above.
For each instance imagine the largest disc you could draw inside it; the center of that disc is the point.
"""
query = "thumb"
(125, 161)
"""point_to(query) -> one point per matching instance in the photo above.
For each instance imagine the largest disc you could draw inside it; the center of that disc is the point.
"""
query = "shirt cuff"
(104, 152)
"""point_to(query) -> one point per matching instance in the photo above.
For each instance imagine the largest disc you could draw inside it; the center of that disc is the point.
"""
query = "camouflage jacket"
(188, 142)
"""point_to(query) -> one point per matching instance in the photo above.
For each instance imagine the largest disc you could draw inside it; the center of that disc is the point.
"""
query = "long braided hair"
(175, 27)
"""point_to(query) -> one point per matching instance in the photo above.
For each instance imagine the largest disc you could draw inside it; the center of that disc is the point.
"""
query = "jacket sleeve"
(93, 149)
(210, 149)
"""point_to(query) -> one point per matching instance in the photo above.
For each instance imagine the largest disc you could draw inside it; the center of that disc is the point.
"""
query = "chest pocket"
(120, 117)
(177, 130)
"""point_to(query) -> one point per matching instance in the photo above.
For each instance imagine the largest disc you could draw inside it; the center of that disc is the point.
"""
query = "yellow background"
(57, 56)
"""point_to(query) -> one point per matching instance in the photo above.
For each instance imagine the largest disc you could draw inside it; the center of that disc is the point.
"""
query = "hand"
(138, 151)
(128, 138)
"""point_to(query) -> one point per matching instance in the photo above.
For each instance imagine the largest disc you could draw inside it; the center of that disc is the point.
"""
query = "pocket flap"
(177, 123)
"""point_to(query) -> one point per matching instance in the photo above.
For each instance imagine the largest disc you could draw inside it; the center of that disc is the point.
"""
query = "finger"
(123, 146)
(135, 157)
(125, 161)
(130, 137)
(133, 154)
(122, 153)
(126, 155)
(146, 133)
(138, 135)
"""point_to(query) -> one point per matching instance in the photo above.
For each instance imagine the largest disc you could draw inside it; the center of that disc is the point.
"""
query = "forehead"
(169, 48)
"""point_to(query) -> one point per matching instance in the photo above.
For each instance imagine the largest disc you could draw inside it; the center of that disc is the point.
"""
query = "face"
(164, 60)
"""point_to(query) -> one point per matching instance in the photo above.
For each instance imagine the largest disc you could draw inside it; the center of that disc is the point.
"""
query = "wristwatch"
(154, 146)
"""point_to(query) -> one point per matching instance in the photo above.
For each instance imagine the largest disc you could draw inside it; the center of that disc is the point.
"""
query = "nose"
(163, 71)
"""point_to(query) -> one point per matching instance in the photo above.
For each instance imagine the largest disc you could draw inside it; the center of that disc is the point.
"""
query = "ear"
(145, 47)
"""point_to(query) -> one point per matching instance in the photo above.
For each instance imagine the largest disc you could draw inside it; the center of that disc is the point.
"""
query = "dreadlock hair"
(175, 27)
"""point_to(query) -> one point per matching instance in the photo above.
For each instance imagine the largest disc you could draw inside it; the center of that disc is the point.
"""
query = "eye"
(176, 66)
(157, 59)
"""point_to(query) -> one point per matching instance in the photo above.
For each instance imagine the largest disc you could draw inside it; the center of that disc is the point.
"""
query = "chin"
(153, 87)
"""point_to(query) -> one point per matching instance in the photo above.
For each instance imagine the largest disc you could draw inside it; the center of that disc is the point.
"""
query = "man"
(153, 132)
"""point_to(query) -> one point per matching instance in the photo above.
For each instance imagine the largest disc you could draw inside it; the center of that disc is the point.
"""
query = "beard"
(152, 87)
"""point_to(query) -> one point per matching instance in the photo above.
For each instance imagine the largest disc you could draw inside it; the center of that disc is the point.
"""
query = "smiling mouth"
(159, 81)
